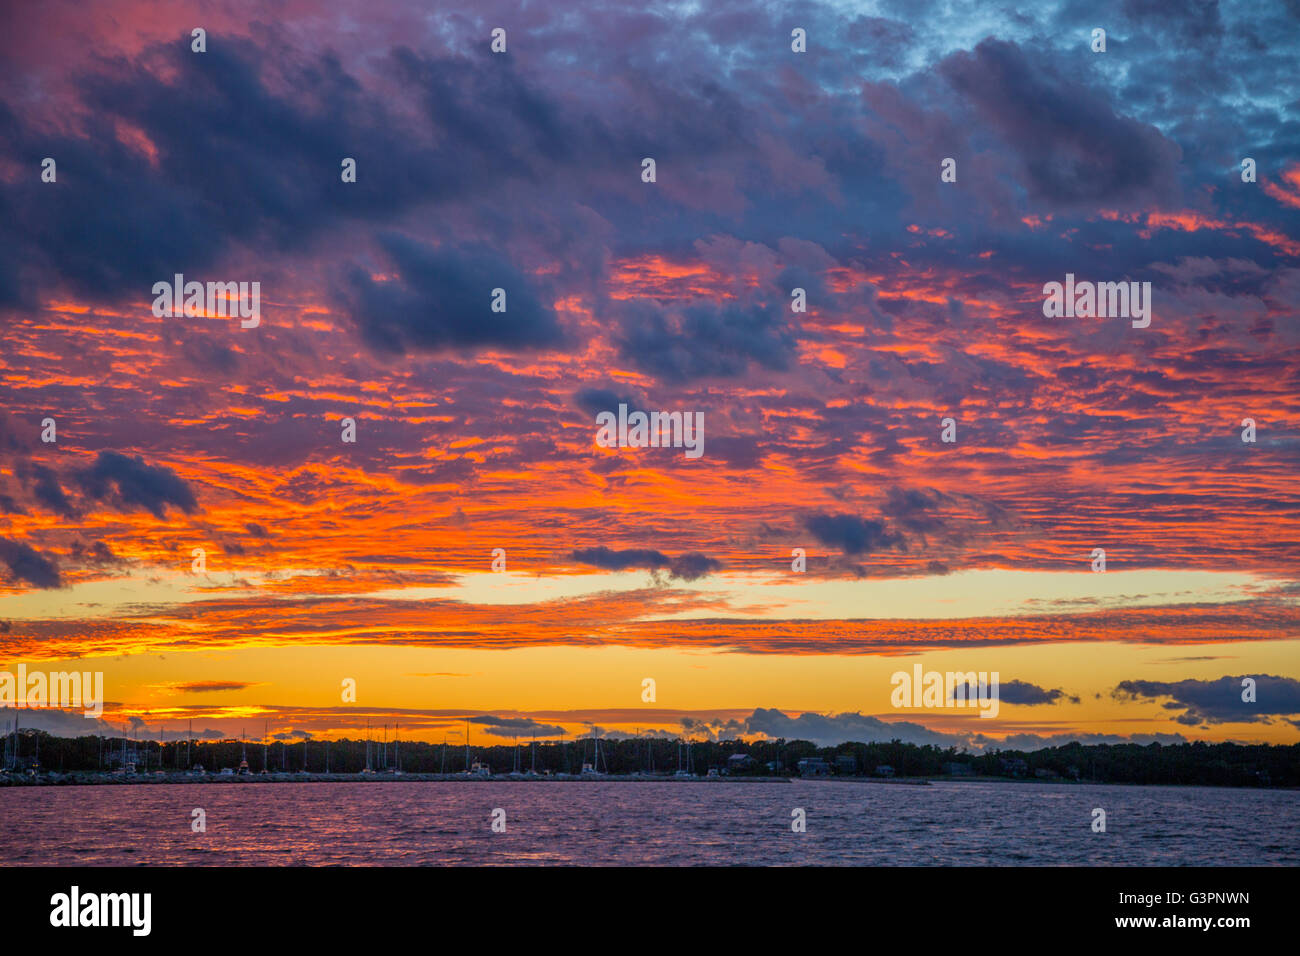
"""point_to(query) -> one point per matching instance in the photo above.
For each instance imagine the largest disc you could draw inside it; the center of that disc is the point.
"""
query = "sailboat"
(515, 772)
(593, 769)
(477, 768)
(683, 774)
(532, 771)
(368, 769)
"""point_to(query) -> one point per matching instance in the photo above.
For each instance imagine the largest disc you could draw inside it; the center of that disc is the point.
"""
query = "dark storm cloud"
(517, 727)
(129, 483)
(1020, 692)
(443, 299)
(1219, 701)
(524, 132)
(187, 158)
(851, 534)
(693, 565)
(208, 356)
(741, 452)
(913, 509)
(1072, 146)
(97, 553)
(611, 560)
(109, 225)
(703, 340)
(248, 139)
(13, 437)
(689, 566)
(103, 554)
(25, 563)
(927, 514)
(49, 492)
(239, 161)
(593, 401)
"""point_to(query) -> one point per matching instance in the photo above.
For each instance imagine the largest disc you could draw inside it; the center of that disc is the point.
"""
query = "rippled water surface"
(670, 823)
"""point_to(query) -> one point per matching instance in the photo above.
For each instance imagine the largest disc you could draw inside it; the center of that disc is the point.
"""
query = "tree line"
(1211, 764)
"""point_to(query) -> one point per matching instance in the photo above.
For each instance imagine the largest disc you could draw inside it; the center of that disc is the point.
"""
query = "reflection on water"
(670, 823)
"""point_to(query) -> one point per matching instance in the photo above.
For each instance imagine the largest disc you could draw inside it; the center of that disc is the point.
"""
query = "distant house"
(1013, 767)
(884, 770)
(774, 766)
(116, 758)
(956, 768)
(846, 763)
(740, 762)
(814, 767)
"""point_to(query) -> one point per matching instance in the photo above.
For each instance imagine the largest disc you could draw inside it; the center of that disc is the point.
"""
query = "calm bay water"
(670, 823)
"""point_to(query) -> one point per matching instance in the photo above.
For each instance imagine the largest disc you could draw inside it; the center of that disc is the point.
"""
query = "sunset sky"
(476, 430)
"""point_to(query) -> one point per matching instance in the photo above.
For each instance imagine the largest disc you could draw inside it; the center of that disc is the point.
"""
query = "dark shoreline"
(82, 779)
(131, 780)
